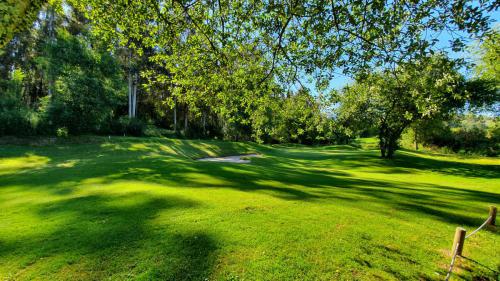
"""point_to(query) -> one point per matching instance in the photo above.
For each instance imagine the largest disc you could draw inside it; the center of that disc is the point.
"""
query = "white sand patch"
(230, 159)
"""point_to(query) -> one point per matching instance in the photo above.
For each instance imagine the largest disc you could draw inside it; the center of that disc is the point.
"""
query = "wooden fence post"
(459, 240)
(493, 215)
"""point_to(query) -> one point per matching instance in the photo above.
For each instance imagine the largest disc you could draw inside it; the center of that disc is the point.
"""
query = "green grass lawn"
(143, 209)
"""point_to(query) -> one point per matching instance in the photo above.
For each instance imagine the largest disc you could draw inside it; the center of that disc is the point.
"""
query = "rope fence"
(479, 228)
(460, 236)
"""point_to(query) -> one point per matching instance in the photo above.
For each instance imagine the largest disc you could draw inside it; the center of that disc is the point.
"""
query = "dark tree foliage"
(88, 88)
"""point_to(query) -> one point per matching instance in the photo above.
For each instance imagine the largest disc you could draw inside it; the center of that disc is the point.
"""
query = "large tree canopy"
(225, 54)
(298, 36)
(315, 36)
(393, 100)
(231, 65)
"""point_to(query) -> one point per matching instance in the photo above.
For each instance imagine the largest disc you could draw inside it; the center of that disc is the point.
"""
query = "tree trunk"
(204, 123)
(186, 119)
(50, 17)
(383, 147)
(130, 86)
(387, 148)
(175, 114)
(134, 97)
(391, 148)
(382, 140)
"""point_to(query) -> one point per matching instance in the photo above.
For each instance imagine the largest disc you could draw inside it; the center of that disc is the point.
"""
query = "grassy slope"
(143, 209)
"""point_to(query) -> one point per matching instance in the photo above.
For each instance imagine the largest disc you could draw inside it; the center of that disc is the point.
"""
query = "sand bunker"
(230, 159)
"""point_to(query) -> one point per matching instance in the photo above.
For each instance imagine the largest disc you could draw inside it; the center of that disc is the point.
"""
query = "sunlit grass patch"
(28, 161)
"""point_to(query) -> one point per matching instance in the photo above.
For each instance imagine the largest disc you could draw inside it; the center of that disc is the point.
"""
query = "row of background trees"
(226, 69)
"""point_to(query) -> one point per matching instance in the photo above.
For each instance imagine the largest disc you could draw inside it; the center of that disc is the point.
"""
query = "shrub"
(16, 123)
(62, 132)
(128, 126)
(153, 131)
(469, 134)
(135, 127)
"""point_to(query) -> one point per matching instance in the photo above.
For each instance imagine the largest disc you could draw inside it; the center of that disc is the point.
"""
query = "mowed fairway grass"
(144, 209)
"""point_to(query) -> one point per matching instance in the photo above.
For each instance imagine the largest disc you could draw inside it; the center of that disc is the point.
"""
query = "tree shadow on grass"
(106, 229)
(291, 175)
(402, 163)
(102, 236)
(413, 161)
(470, 269)
(482, 265)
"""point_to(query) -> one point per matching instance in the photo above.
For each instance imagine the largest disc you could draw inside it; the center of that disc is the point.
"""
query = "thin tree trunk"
(50, 16)
(204, 123)
(134, 102)
(134, 97)
(186, 119)
(130, 85)
(175, 114)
